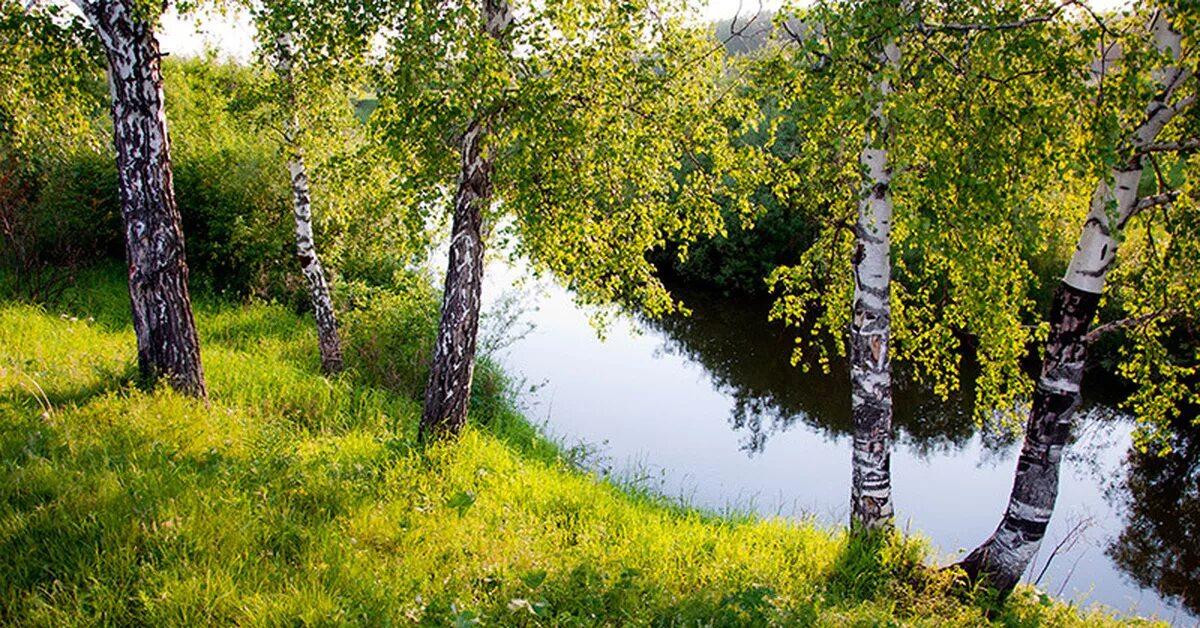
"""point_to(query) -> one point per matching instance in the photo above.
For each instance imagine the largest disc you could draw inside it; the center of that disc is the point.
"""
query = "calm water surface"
(708, 409)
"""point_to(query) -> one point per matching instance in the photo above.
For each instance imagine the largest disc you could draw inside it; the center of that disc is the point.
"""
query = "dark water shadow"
(1159, 546)
(748, 358)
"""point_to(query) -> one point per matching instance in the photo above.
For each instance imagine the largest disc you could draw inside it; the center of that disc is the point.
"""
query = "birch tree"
(571, 119)
(306, 45)
(315, 57)
(871, 317)
(921, 116)
(1115, 201)
(167, 341)
(447, 395)
(306, 250)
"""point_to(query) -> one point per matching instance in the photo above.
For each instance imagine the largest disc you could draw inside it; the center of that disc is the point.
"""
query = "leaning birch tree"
(167, 343)
(313, 50)
(328, 340)
(1116, 201)
(314, 56)
(447, 394)
(553, 116)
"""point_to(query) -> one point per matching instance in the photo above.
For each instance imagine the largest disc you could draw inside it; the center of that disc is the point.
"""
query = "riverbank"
(297, 498)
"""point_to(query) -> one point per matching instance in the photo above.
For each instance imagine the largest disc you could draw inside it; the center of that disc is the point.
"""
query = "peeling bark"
(448, 393)
(871, 325)
(306, 252)
(167, 342)
(1004, 557)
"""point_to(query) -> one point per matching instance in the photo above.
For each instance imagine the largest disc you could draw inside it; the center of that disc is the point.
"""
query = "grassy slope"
(298, 499)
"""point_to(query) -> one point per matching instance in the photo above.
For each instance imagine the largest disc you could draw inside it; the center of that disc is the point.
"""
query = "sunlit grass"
(296, 498)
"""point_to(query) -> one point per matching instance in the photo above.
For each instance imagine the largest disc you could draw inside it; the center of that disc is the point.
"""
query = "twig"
(1074, 566)
(1162, 147)
(1069, 540)
(925, 28)
(1099, 330)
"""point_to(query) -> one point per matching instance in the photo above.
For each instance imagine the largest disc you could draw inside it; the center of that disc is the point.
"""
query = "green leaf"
(461, 502)
(534, 579)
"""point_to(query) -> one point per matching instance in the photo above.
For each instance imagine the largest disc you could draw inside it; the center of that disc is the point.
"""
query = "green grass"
(298, 499)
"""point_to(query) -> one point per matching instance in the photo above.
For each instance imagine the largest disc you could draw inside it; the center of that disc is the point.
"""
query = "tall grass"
(294, 498)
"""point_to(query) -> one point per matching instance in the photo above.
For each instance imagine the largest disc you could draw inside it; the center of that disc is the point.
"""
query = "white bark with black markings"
(310, 264)
(1004, 557)
(871, 321)
(448, 393)
(167, 342)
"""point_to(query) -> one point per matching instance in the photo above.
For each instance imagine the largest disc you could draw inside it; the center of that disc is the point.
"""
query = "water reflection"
(1160, 499)
(660, 397)
(748, 359)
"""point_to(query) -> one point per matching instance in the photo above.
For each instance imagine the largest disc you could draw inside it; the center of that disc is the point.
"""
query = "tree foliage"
(591, 107)
(51, 91)
(1000, 134)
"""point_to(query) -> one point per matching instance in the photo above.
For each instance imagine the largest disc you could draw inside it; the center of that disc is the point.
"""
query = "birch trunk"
(871, 324)
(167, 341)
(328, 340)
(310, 265)
(448, 393)
(1004, 557)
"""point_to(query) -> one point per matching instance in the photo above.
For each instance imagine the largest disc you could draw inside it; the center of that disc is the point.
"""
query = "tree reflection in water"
(1160, 496)
(749, 359)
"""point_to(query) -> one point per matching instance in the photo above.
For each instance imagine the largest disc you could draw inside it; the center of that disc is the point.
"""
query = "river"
(708, 409)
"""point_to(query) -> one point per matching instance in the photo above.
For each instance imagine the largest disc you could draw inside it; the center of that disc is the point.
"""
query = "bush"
(231, 186)
(741, 259)
(389, 334)
(230, 183)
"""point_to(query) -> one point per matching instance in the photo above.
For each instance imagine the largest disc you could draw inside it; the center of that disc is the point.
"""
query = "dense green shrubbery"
(51, 94)
(230, 183)
(751, 246)
(741, 259)
(67, 214)
(390, 335)
(231, 186)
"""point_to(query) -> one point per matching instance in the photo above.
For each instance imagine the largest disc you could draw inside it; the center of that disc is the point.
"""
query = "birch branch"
(1096, 332)
(924, 28)
(1163, 147)
(1146, 202)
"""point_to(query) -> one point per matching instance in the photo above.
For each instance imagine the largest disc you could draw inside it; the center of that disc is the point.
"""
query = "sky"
(233, 36)
(725, 9)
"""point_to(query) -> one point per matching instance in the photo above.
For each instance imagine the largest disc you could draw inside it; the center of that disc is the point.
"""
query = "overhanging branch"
(1146, 202)
(1165, 147)
(962, 28)
(1096, 332)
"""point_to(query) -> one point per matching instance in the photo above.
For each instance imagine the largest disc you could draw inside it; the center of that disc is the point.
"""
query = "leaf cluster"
(590, 106)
